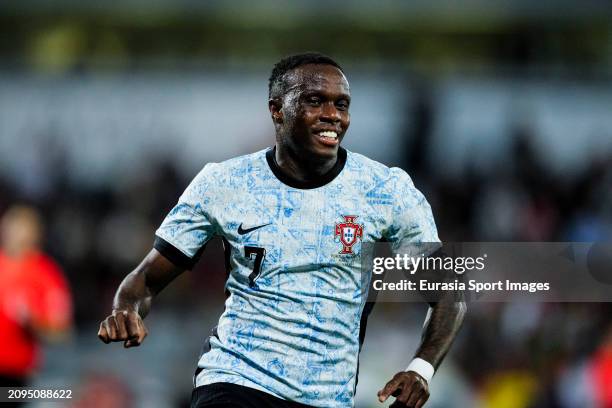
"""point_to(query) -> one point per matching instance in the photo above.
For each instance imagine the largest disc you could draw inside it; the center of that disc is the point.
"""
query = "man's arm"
(133, 300)
(440, 330)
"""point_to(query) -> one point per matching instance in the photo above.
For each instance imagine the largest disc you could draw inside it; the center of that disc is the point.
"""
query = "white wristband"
(422, 368)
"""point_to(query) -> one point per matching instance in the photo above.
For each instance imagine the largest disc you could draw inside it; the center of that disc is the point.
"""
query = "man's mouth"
(328, 137)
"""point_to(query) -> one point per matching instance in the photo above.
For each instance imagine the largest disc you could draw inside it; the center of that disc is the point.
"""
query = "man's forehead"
(317, 77)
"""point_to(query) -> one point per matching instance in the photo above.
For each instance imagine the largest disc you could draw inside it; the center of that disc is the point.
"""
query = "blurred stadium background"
(500, 111)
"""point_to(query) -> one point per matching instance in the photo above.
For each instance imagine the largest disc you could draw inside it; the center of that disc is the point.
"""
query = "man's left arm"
(411, 387)
(413, 222)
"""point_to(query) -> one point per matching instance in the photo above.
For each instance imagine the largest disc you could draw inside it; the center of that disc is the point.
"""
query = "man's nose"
(330, 113)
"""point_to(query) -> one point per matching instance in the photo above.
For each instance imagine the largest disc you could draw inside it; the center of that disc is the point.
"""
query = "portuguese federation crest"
(349, 232)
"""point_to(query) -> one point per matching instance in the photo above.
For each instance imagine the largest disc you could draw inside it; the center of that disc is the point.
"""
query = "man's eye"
(313, 100)
(343, 105)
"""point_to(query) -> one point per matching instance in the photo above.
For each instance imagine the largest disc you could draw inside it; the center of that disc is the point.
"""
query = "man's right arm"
(133, 300)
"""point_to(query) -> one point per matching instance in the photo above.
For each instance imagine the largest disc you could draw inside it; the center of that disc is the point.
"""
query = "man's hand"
(123, 325)
(132, 301)
(409, 389)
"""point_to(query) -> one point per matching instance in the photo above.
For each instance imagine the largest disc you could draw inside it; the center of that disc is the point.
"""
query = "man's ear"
(276, 110)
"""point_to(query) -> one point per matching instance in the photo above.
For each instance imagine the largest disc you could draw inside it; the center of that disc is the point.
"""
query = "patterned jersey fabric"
(291, 325)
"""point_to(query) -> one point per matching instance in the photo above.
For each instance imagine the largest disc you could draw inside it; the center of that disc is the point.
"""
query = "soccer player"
(293, 218)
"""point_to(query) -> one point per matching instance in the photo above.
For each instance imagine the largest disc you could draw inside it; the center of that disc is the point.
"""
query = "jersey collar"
(318, 182)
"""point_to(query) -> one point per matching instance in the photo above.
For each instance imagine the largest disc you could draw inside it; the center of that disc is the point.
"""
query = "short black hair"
(277, 84)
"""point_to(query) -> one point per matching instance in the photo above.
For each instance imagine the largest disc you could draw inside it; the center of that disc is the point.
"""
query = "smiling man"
(293, 218)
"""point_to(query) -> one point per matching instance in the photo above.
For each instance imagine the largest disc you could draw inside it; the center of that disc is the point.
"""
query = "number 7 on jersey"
(260, 254)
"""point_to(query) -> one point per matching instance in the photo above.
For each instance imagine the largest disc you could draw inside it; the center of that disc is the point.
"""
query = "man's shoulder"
(234, 164)
(375, 170)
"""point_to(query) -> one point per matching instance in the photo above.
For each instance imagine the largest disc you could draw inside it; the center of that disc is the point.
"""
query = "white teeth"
(329, 133)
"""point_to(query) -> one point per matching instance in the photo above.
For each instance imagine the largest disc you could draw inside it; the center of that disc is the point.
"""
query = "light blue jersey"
(292, 324)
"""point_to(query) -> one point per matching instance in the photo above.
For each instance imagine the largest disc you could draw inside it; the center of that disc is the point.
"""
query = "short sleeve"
(188, 226)
(412, 221)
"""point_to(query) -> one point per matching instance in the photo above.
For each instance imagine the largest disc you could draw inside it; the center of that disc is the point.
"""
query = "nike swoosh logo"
(246, 231)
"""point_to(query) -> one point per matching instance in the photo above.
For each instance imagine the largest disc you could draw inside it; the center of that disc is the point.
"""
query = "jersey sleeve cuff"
(173, 254)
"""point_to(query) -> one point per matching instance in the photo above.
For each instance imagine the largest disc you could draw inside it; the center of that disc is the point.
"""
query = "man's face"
(314, 114)
(20, 230)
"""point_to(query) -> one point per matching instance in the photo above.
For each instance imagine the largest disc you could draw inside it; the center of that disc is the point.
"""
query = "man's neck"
(16, 252)
(300, 168)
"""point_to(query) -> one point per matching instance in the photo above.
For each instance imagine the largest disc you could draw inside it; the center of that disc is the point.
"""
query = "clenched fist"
(123, 325)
